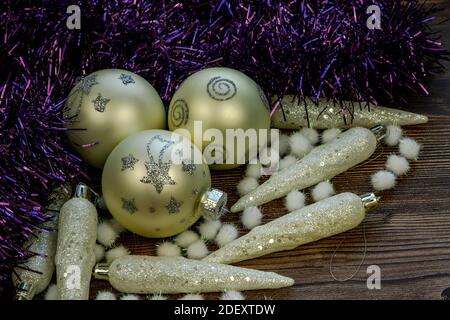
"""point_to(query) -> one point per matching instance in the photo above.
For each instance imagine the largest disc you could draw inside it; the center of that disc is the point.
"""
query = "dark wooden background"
(408, 237)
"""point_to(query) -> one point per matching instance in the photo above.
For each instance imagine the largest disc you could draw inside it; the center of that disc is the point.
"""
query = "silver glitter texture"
(100, 103)
(167, 275)
(158, 174)
(173, 206)
(126, 79)
(37, 272)
(188, 167)
(292, 115)
(128, 162)
(322, 163)
(129, 205)
(75, 257)
(320, 220)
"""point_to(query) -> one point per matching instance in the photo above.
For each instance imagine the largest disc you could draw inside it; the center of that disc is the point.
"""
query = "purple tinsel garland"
(315, 48)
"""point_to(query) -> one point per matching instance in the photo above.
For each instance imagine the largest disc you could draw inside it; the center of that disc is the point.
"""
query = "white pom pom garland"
(105, 295)
(232, 295)
(186, 238)
(322, 191)
(246, 185)
(197, 250)
(106, 235)
(208, 229)
(115, 253)
(294, 200)
(311, 134)
(168, 249)
(393, 135)
(383, 180)
(330, 134)
(300, 145)
(251, 217)
(227, 233)
(409, 148)
(397, 164)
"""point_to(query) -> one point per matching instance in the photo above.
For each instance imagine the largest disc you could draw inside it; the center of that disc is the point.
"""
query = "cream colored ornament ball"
(156, 184)
(221, 98)
(107, 106)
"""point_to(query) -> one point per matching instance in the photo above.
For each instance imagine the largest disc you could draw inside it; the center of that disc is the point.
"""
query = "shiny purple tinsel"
(315, 48)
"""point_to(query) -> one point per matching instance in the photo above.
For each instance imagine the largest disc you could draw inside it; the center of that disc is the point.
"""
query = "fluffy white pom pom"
(383, 180)
(130, 297)
(397, 164)
(322, 191)
(99, 252)
(300, 145)
(393, 135)
(52, 292)
(209, 229)
(158, 296)
(284, 144)
(246, 185)
(106, 235)
(287, 161)
(168, 249)
(197, 250)
(192, 297)
(105, 295)
(232, 295)
(115, 253)
(186, 238)
(330, 134)
(311, 134)
(251, 217)
(294, 200)
(409, 148)
(226, 234)
(254, 170)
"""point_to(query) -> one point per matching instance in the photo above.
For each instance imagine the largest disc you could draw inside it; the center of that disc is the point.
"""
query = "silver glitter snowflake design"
(129, 205)
(188, 167)
(100, 103)
(173, 206)
(157, 174)
(126, 79)
(128, 162)
(87, 83)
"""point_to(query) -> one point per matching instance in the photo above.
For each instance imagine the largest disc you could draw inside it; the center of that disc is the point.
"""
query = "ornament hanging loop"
(370, 201)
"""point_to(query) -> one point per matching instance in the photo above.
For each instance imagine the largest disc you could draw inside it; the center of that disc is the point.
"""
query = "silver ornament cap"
(213, 203)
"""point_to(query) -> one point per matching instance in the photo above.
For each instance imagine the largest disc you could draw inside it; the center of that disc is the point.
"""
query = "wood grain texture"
(408, 237)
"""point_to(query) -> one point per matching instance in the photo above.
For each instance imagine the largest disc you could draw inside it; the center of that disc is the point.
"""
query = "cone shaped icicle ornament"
(167, 275)
(320, 220)
(322, 163)
(35, 275)
(296, 113)
(75, 252)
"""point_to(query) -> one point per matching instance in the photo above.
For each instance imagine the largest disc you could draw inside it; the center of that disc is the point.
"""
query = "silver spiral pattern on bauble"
(221, 89)
(179, 113)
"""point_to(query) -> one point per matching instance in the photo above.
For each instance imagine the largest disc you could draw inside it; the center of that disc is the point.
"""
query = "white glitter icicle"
(327, 115)
(34, 276)
(317, 221)
(167, 275)
(322, 163)
(75, 254)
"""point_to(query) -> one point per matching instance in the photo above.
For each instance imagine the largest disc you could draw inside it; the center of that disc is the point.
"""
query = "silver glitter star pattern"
(157, 174)
(100, 103)
(173, 206)
(87, 83)
(128, 162)
(188, 167)
(129, 205)
(126, 79)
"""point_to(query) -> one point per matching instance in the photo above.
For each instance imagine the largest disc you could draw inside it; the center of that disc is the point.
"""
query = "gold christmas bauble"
(155, 183)
(221, 98)
(107, 106)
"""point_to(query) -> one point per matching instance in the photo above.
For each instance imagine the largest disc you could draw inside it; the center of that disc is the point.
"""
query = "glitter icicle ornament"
(294, 114)
(320, 220)
(75, 255)
(322, 163)
(35, 275)
(171, 275)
